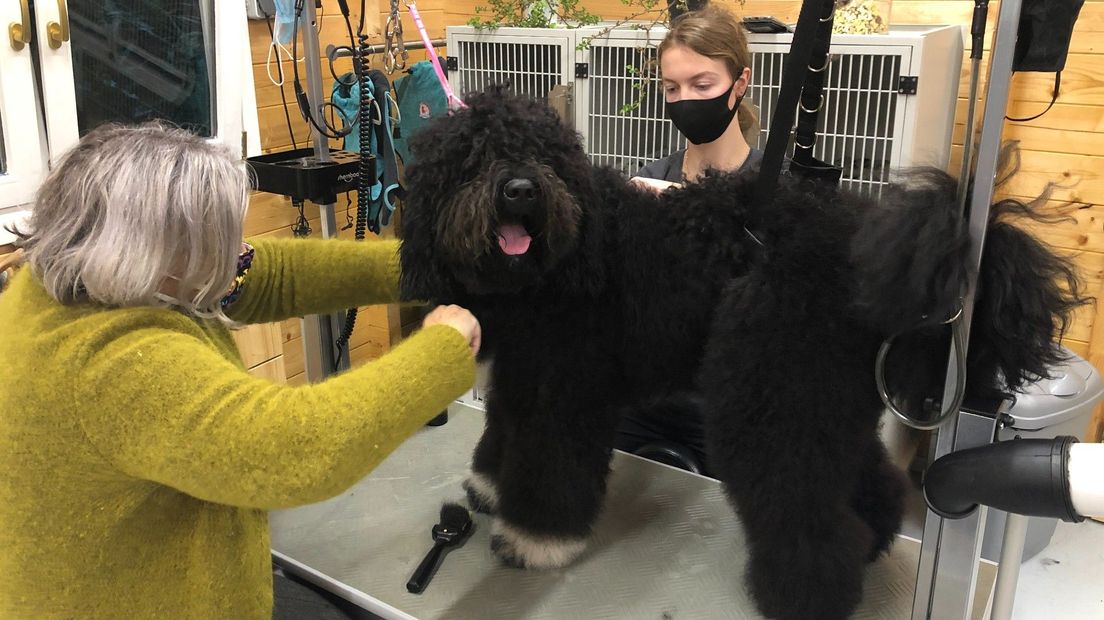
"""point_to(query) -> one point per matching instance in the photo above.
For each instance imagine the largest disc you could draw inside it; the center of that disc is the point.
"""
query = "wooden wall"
(275, 351)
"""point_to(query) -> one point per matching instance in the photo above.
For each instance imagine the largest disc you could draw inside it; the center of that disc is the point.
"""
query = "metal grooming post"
(319, 331)
(950, 549)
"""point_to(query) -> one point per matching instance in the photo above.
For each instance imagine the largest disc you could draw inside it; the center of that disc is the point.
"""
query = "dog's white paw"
(482, 493)
(517, 548)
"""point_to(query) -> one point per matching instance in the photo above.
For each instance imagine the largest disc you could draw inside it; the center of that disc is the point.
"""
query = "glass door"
(129, 61)
(22, 152)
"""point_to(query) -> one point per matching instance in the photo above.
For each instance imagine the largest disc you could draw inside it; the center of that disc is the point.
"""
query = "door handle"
(58, 32)
(20, 32)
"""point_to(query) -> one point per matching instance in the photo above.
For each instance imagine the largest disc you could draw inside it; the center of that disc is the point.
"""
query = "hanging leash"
(395, 55)
(454, 102)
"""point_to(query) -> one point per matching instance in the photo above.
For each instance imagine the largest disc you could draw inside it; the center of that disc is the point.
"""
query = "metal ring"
(393, 106)
(827, 61)
(389, 61)
(802, 146)
(820, 105)
(830, 16)
(378, 120)
(957, 315)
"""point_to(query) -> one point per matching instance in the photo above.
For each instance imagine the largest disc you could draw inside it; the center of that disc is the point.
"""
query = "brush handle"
(426, 569)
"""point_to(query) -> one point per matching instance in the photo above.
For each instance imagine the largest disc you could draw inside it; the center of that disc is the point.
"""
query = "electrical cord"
(366, 171)
(302, 227)
(1053, 99)
(301, 96)
(280, 72)
(350, 48)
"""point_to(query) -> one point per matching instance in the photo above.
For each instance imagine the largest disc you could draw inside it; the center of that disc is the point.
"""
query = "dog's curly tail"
(909, 254)
(1027, 294)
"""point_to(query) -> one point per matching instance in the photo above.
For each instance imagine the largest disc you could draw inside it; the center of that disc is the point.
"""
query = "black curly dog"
(595, 295)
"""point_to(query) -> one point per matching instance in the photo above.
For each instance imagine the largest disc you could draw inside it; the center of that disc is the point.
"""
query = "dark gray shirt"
(670, 168)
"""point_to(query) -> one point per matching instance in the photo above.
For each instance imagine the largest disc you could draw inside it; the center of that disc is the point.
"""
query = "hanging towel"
(347, 98)
(384, 148)
(421, 100)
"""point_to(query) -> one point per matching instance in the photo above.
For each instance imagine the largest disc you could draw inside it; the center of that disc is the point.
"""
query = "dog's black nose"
(520, 190)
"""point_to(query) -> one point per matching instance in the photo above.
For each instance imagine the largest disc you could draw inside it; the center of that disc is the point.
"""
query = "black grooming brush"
(454, 527)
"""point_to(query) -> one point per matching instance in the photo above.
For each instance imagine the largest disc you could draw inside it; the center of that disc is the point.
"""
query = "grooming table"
(667, 546)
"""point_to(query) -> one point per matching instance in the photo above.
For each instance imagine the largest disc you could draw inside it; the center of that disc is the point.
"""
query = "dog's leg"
(807, 544)
(482, 486)
(552, 476)
(552, 483)
(790, 410)
(879, 498)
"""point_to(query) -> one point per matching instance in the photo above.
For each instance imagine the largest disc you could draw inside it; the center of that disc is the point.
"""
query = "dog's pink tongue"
(513, 239)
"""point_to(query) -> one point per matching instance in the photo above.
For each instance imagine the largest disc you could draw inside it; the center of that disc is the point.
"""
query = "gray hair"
(128, 208)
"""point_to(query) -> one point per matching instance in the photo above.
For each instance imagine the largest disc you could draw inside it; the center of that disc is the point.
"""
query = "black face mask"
(703, 120)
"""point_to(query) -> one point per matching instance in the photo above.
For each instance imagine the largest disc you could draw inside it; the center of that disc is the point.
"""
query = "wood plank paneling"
(273, 370)
(276, 351)
(258, 343)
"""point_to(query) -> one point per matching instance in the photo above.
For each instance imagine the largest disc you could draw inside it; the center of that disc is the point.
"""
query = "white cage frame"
(869, 127)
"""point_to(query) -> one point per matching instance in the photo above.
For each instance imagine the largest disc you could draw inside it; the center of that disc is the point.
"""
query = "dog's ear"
(423, 277)
(583, 272)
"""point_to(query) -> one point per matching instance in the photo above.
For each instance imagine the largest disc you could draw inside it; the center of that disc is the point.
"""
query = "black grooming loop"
(958, 341)
(809, 106)
(809, 56)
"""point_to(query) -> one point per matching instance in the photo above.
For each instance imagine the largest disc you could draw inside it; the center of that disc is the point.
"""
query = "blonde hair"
(128, 207)
(715, 33)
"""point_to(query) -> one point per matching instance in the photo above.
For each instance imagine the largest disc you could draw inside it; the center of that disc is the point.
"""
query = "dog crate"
(476, 397)
(533, 61)
(889, 100)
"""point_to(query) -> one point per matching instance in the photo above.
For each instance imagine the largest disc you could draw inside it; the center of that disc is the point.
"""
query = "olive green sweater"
(138, 458)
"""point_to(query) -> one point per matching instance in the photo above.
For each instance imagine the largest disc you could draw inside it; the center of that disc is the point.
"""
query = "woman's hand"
(459, 319)
(656, 185)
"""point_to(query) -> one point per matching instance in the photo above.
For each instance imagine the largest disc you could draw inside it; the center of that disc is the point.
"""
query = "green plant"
(532, 14)
(570, 13)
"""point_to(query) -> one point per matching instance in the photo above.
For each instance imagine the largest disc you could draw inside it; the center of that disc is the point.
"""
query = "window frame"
(23, 139)
(230, 84)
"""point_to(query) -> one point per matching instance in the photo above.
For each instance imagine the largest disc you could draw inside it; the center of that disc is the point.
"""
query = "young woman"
(705, 67)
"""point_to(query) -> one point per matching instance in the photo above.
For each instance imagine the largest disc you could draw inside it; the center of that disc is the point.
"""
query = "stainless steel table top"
(666, 546)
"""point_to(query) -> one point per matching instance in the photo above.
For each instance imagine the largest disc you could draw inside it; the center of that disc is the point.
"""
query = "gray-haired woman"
(139, 456)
